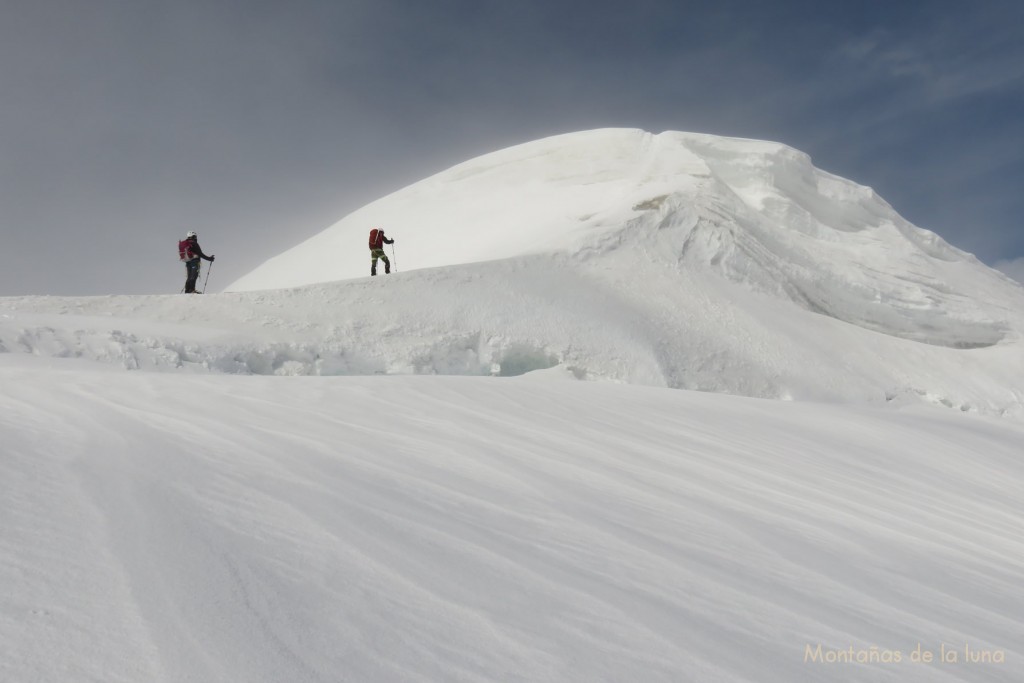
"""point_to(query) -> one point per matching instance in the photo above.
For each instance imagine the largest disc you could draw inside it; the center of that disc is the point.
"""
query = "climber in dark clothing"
(377, 242)
(190, 252)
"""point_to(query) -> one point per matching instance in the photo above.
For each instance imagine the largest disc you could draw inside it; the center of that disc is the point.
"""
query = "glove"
(212, 257)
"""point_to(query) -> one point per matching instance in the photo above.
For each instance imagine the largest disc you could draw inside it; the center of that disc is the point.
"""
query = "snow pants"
(379, 254)
(192, 274)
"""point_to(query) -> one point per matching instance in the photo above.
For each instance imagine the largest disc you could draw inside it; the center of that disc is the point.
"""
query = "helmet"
(190, 234)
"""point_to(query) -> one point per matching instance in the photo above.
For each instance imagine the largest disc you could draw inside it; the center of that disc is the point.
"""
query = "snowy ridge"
(597, 322)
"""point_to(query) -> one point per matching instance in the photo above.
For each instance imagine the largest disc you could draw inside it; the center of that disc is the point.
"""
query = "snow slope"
(165, 527)
(266, 485)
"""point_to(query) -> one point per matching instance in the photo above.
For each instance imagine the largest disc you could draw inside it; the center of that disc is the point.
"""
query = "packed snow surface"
(163, 527)
(322, 476)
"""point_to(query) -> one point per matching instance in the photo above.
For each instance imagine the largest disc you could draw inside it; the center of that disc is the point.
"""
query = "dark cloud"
(259, 123)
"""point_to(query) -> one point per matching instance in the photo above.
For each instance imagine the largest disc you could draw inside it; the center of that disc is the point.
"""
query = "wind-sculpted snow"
(167, 528)
(596, 320)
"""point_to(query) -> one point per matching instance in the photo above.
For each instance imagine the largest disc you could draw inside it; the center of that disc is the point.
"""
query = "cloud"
(1013, 268)
(940, 59)
(878, 54)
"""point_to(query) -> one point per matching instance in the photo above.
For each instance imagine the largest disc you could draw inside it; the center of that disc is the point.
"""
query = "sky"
(124, 124)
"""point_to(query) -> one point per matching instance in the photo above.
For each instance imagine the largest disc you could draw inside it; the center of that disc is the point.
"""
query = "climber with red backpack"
(190, 252)
(377, 242)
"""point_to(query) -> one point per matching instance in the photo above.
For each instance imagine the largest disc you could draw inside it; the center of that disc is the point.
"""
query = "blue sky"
(257, 124)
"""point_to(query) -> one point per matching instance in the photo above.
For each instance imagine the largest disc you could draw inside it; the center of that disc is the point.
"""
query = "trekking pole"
(393, 257)
(208, 269)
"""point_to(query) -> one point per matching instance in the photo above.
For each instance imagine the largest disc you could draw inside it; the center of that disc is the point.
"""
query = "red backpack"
(376, 239)
(185, 250)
